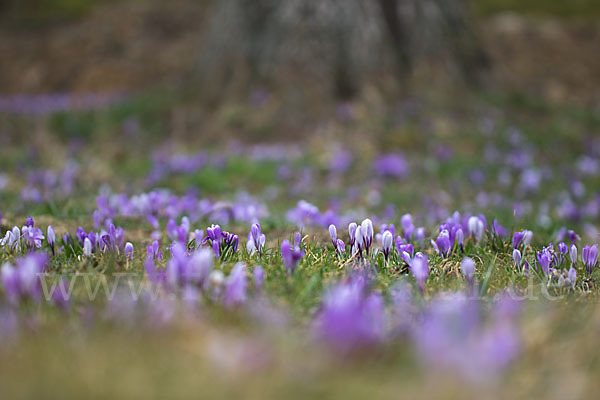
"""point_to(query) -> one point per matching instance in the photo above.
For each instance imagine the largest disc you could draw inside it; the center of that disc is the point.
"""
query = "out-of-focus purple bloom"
(29, 222)
(298, 240)
(499, 229)
(259, 277)
(467, 266)
(527, 235)
(235, 287)
(340, 160)
(351, 318)
(178, 233)
(476, 227)
(419, 267)
(573, 236)
(291, 256)
(153, 250)
(460, 238)
(452, 336)
(517, 239)
(23, 281)
(391, 165)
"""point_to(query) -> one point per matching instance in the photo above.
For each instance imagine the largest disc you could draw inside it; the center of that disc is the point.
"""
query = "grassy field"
(312, 320)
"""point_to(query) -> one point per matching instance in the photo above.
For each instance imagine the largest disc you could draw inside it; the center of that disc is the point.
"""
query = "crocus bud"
(544, 262)
(367, 232)
(573, 254)
(476, 227)
(406, 257)
(340, 247)
(352, 233)
(87, 247)
(255, 231)
(358, 237)
(467, 266)
(517, 239)
(333, 234)
(517, 257)
(51, 237)
(585, 255)
(460, 238)
(572, 276)
(527, 235)
(420, 269)
(29, 222)
(129, 250)
(386, 243)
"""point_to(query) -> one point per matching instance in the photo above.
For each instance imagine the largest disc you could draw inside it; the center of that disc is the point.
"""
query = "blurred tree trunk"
(338, 44)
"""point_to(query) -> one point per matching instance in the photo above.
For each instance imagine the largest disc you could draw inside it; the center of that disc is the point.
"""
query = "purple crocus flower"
(51, 238)
(351, 318)
(476, 227)
(460, 238)
(256, 240)
(387, 241)
(235, 287)
(589, 257)
(562, 248)
(517, 239)
(517, 257)
(367, 234)
(291, 256)
(499, 229)
(129, 250)
(153, 250)
(573, 254)
(419, 267)
(87, 247)
(543, 260)
(352, 233)
(333, 235)
(32, 236)
(340, 247)
(573, 236)
(443, 244)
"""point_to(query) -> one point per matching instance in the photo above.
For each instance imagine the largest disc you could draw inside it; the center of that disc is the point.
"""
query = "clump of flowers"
(223, 243)
(256, 240)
